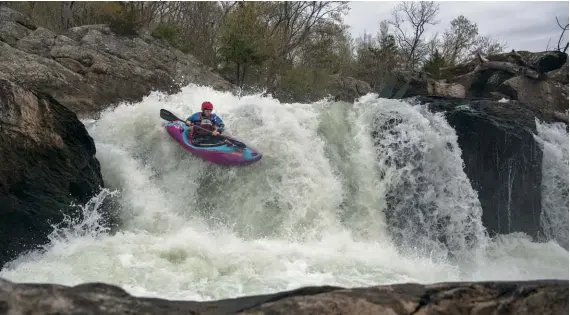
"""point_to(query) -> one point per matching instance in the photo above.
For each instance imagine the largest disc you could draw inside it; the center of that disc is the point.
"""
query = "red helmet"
(207, 105)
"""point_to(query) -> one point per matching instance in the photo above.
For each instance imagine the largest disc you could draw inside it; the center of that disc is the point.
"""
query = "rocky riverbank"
(536, 79)
(477, 298)
(89, 67)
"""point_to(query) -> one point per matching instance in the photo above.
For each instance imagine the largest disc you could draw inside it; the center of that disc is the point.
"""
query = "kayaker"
(205, 120)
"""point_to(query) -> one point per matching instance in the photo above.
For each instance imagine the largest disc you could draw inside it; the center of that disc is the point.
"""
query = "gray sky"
(524, 25)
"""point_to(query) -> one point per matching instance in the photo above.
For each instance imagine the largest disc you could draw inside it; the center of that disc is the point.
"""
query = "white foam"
(553, 140)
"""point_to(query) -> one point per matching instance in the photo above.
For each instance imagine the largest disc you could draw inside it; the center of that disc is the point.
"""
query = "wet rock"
(47, 162)
(502, 159)
(477, 298)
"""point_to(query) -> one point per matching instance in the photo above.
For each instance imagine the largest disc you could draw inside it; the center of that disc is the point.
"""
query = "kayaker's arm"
(219, 124)
(192, 119)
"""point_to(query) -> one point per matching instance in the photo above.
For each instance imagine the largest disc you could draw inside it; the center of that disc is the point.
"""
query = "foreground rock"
(90, 67)
(532, 297)
(47, 162)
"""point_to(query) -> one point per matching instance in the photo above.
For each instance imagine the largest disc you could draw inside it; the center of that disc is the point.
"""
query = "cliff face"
(502, 160)
(48, 162)
(90, 67)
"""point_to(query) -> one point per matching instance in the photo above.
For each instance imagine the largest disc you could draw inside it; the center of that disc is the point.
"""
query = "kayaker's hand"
(215, 133)
(188, 123)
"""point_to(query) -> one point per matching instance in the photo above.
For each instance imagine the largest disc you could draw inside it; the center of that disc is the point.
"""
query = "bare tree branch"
(418, 15)
(564, 29)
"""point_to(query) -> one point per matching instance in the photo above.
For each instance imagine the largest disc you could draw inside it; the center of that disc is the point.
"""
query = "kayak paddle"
(166, 115)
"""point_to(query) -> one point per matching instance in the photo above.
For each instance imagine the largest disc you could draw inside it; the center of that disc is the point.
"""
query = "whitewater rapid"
(553, 140)
(313, 211)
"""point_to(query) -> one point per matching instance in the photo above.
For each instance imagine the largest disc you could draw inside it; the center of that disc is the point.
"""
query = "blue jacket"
(196, 118)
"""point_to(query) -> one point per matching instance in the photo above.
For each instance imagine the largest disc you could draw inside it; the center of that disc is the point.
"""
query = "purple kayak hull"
(226, 154)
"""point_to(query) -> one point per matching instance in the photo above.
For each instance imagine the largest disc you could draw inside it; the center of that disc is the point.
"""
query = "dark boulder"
(47, 162)
(502, 159)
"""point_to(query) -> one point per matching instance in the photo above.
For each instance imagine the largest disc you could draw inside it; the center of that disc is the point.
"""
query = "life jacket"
(205, 123)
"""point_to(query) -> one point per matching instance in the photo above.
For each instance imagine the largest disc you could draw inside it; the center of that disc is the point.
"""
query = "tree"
(198, 24)
(242, 40)
(291, 24)
(485, 45)
(434, 65)
(458, 39)
(367, 65)
(377, 57)
(328, 47)
(418, 15)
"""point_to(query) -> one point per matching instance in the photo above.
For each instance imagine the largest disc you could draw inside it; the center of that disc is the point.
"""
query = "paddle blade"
(166, 115)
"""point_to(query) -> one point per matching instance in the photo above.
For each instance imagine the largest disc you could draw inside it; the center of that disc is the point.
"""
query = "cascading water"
(553, 139)
(431, 205)
(328, 204)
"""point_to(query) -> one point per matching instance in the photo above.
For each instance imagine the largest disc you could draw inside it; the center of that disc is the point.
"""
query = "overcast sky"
(523, 25)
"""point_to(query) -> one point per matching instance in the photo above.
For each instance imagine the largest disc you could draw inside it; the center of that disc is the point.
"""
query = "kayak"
(223, 153)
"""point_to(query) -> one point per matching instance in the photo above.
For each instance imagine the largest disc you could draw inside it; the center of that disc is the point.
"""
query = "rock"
(500, 97)
(513, 73)
(476, 298)
(421, 85)
(7, 14)
(502, 159)
(36, 73)
(90, 67)
(38, 42)
(544, 61)
(544, 95)
(347, 88)
(48, 161)
(72, 64)
(293, 89)
(12, 32)
(560, 75)
(444, 298)
(561, 117)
